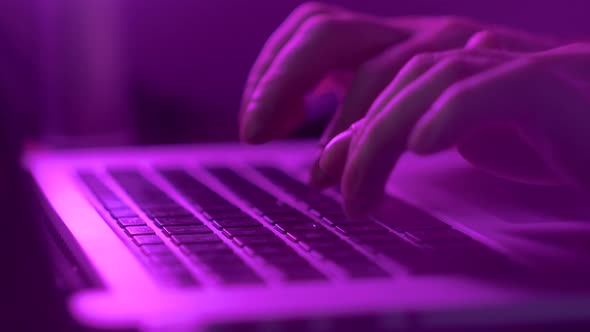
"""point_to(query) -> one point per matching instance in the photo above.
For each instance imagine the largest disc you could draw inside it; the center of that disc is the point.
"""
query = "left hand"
(532, 108)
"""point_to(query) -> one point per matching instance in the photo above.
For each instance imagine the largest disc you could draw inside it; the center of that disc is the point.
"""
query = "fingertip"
(334, 155)
(484, 40)
(353, 197)
(253, 129)
(319, 179)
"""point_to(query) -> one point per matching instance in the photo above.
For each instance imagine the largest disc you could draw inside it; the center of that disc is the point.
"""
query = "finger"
(415, 68)
(373, 155)
(512, 40)
(320, 46)
(277, 42)
(374, 75)
(558, 134)
(318, 178)
(333, 157)
(420, 64)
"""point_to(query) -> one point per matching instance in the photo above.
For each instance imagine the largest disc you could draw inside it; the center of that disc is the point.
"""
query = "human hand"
(319, 43)
(534, 107)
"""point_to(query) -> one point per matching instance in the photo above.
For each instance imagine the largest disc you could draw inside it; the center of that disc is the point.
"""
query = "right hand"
(318, 42)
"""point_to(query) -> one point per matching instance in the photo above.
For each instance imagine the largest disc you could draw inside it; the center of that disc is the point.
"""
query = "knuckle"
(456, 93)
(452, 24)
(485, 35)
(308, 8)
(483, 39)
(454, 67)
(453, 64)
(322, 26)
(420, 60)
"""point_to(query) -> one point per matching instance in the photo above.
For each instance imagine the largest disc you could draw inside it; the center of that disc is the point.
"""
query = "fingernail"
(333, 158)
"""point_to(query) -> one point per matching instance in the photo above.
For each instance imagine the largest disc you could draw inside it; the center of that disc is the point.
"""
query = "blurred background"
(169, 71)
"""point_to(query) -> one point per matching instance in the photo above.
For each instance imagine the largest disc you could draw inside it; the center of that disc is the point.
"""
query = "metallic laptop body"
(192, 237)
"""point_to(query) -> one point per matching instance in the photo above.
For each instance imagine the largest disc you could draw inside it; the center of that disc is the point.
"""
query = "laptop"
(227, 236)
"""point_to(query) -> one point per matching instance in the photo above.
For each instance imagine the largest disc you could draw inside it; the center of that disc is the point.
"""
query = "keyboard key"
(138, 230)
(236, 223)
(322, 244)
(156, 249)
(167, 212)
(237, 275)
(250, 231)
(267, 251)
(176, 221)
(204, 247)
(312, 235)
(194, 238)
(257, 241)
(344, 220)
(165, 260)
(122, 213)
(141, 240)
(437, 235)
(307, 226)
(113, 203)
(233, 213)
(186, 229)
(376, 237)
(291, 219)
(360, 228)
(219, 260)
(133, 221)
(295, 268)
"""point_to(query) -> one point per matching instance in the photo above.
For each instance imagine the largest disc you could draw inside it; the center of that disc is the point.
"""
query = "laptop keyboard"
(414, 239)
(304, 237)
